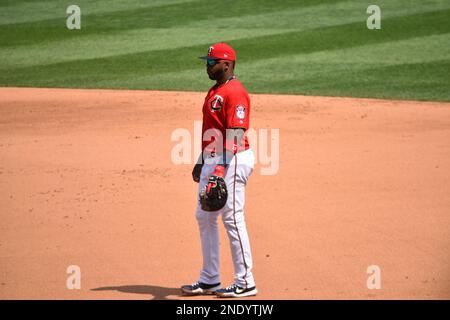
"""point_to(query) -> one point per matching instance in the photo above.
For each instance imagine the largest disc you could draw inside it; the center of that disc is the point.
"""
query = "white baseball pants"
(236, 177)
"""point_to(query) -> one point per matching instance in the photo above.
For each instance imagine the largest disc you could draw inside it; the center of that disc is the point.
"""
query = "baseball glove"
(214, 196)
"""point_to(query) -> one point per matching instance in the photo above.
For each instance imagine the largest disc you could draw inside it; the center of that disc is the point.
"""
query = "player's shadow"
(157, 293)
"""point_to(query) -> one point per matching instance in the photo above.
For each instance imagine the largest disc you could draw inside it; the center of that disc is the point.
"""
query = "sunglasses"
(212, 62)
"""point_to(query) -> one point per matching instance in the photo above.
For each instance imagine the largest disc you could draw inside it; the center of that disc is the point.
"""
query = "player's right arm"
(197, 171)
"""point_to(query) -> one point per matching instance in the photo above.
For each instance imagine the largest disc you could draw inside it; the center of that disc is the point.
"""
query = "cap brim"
(208, 57)
(213, 58)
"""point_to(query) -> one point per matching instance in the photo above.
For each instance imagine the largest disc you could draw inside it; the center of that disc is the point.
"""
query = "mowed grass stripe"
(31, 11)
(140, 40)
(325, 14)
(109, 45)
(320, 64)
(408, 81)
(173, 15)
(416, 81)
(86, 72)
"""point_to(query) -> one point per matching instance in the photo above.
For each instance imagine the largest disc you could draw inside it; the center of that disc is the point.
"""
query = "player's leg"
(209, 279)
(209, 234)
(234, 221)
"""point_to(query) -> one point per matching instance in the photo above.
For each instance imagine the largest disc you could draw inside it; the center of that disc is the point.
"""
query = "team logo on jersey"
(240, 112)
(216, 103)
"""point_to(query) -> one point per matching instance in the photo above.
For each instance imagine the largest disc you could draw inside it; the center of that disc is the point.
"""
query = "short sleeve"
(237, 110)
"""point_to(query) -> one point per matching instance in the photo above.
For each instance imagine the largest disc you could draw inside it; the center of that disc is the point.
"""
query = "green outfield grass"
(319, 47)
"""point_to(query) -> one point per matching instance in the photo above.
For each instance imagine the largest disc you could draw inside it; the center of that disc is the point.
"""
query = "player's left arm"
(234, 138)
(237, 111)
(233, 142)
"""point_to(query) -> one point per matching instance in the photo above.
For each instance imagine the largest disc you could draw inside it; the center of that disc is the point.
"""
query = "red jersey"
(226, 106)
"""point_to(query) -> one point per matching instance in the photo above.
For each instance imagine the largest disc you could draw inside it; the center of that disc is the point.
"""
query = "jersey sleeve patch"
(240, 111)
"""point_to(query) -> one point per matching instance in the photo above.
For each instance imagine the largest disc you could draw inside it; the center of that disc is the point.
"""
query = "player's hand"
(196, 172)
(219, 172)
(214, 195)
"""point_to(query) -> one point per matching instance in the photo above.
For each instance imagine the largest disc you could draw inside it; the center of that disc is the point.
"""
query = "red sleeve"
(237, 108)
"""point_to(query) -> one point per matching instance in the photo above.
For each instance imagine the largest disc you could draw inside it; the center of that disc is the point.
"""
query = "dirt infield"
(86, 179)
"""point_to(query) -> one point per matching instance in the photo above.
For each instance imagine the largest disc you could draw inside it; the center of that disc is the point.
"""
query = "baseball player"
(228, 159)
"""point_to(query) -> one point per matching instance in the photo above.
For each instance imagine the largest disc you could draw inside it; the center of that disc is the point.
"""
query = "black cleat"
(234, 291)
(199, 288)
